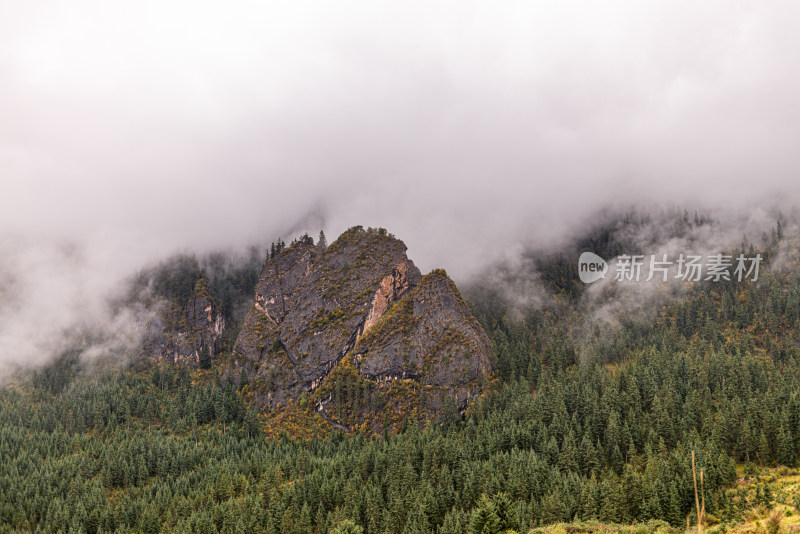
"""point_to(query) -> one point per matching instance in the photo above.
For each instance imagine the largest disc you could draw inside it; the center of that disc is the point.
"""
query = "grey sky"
(462, 127)
(199, 124)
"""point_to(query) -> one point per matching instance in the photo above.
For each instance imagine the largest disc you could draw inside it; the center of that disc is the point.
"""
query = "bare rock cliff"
(359, 316)
(183, 334)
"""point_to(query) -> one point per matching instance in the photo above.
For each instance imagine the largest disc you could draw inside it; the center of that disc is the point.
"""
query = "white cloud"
(460, 126)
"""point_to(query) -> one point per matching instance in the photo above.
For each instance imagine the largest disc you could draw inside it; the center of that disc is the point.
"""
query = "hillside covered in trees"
(586, 421)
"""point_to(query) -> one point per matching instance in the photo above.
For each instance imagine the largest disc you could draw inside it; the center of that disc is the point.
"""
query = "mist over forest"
(313, 267)
(131, 135)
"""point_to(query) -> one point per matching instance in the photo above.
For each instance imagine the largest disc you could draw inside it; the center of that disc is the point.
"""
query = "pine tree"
(553, 508)
(786, 453)
(205, 357)
(588, 499)
(453, 523)
(251, 423)
(304, 521)
(484, 518)
(502, 507)
(674, 514)
(763, 450)
(320, 520)
(417, 522)
(768, 497)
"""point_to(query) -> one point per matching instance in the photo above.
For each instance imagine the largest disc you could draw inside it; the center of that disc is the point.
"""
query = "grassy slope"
(782, 515)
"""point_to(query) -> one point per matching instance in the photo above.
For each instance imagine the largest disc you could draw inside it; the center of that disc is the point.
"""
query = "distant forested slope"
(583, 421)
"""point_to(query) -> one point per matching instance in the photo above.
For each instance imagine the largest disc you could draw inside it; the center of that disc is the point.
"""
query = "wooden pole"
(702, 498)
(696, 498)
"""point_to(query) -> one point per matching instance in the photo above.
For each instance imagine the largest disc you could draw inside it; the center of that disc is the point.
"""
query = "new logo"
(591, 267)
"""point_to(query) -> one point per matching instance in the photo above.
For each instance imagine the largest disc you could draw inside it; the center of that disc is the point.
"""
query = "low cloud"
(466, 129)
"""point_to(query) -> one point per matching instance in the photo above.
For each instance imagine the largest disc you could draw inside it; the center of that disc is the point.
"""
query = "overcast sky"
(459, 126)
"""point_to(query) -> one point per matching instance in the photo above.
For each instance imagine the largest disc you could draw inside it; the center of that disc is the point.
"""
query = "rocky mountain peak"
(361, 305)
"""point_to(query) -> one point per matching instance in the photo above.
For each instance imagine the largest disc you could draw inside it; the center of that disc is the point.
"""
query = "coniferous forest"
(370, 267)
(559, 291)
(583, 424)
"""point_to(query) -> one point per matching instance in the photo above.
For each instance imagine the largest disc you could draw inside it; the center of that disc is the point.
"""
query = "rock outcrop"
(184, 335)
(429, 336)
(362, 311)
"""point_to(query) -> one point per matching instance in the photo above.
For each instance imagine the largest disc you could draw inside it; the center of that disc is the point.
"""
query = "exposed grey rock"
(361, 297)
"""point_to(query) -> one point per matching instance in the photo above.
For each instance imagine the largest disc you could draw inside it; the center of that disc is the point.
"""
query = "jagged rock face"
(184, 333)
(360, 303)
(311, 306)
(430, 336)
